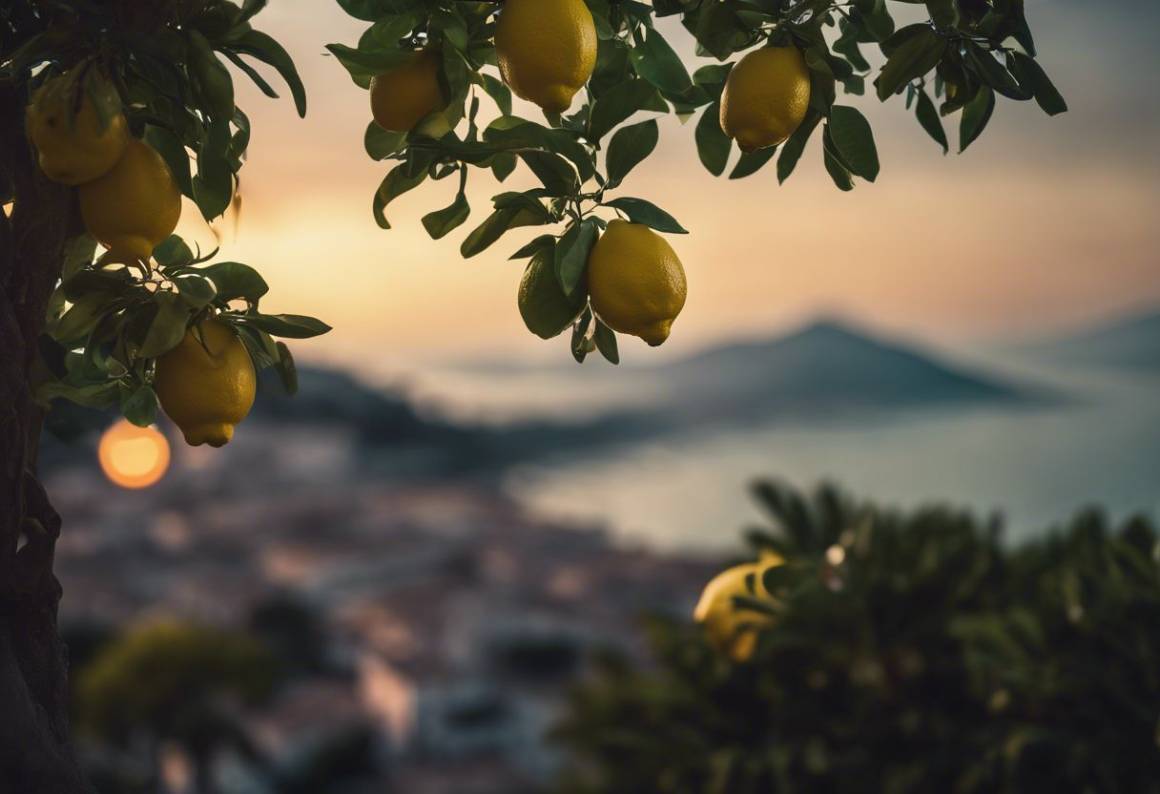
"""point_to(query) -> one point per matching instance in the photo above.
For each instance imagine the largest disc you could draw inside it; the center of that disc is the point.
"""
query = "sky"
(1043, 224)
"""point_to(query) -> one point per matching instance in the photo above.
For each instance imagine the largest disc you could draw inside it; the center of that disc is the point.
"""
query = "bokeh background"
(427, 541)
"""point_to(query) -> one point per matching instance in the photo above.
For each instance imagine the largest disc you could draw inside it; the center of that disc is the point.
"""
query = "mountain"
(828, 368)
(1131, 342)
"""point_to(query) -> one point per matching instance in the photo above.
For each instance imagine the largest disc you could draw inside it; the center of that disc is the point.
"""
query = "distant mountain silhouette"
(1131, 342)
(826, 368)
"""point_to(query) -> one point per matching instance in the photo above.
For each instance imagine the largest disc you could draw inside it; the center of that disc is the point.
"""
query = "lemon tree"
(111, 112)
(775, 74)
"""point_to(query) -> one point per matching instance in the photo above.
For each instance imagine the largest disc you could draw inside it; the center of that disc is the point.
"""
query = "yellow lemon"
(636, 282)
(546, 50)
(734, 631)
(766, 97)
(207, 389)
(75, 141)
(134, 207)
(402, 97)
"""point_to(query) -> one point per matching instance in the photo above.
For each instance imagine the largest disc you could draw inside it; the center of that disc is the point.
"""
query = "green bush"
(911, 652)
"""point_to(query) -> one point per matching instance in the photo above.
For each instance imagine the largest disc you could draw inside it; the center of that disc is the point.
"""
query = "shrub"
(910, 652)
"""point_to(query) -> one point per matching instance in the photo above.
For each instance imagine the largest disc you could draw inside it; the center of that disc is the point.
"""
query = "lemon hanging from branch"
(546, 50)
(405, 95)
(636, 282)
(135, 206)
(77, 127)
(733, 630)
(766, 97)
(206, 384)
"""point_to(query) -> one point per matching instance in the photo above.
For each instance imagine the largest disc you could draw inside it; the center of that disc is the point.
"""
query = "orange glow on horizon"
(133, 457)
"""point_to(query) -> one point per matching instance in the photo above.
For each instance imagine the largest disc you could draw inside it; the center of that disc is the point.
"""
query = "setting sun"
(133, 457)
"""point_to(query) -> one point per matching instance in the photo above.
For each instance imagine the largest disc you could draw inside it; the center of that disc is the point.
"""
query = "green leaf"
(835, 168)
(792, 150)
(605, 340)
(944, 13)
(236, 281)
(641, 211)
(440, 222)
(976, 114)
(619, 103)
(571, 255)
(267, 50)
(557, 176)
(629, 146)
(394, 184)
(752, 162)
(994, 74)
(854, 140)
(366, 63)
(381, 144)
(914, 58)
(167, 328)
(196, 290)
(172, 251)
(519, 134)
(213, 187)
(1032, 76)
(713, 144)
(545, 309)
(496, 224)
(499, 92)
(530, 249)
(290, 326)
(81, 317)
(173, 151)
(928, 117)
(213, 79)
(656, 62)
(366, 10)
(502, 165)
(287, 370)
(581, 344)
(140, 406)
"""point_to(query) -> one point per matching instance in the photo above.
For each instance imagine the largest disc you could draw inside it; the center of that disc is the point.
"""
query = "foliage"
(965, 53)
(910, 653)
(170, 679)
(109, 320)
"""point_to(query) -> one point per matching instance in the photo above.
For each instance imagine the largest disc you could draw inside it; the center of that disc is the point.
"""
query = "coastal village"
(450, 623)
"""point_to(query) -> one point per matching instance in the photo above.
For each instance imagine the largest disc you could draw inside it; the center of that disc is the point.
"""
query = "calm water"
(1036, 466)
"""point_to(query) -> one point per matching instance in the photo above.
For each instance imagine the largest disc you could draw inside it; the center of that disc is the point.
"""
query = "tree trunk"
(36, 754)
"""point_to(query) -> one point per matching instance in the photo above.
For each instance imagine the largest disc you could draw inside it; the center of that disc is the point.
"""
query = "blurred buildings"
(429, 627)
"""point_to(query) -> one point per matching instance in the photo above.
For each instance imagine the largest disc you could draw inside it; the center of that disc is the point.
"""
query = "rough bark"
(36, 754)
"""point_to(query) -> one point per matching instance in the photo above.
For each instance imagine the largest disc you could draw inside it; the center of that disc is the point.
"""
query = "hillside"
(825, 368)
(1130, 342)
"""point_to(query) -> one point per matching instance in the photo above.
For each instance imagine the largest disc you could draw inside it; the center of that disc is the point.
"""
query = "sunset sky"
(1043, 224)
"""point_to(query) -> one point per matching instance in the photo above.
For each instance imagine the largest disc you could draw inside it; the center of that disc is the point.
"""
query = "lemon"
(766, 97)
(75, 142)
(731, 630)
(206, 390)
(546, 50)
(635, 281)
(134, 207)
(545, 308)
(405, 95)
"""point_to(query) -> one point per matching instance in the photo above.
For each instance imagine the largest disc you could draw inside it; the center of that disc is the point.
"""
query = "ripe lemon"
(402, 97)
(636, 282)
(546, 50)
(734, 631)
(766, 97)
(206, 390)
(134, 207)
(63, 122)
